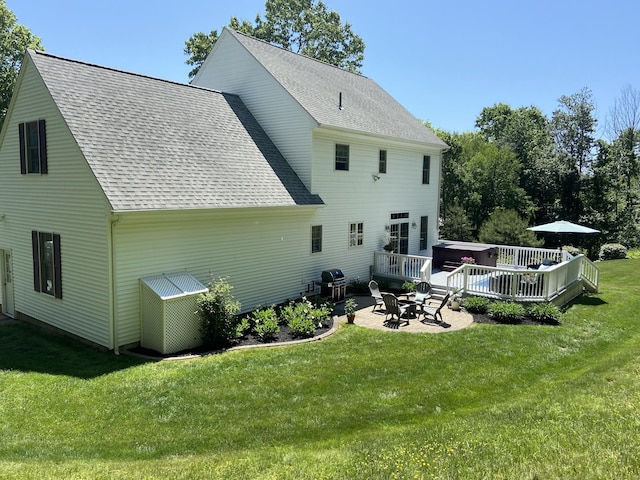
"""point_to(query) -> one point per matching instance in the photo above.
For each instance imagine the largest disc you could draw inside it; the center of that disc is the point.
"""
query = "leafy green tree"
(307, 27)
(491, 180)
(14, 41)
(451, 187)
(526, 132)
(611, 194)
(494, 121)
(624, 127)
(573, 128)
(479, 176)
(507, 227)
(200, 44)
(456, 225)
(600, 193)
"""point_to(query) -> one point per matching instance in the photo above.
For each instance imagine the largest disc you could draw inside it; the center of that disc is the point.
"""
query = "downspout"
(112, 284)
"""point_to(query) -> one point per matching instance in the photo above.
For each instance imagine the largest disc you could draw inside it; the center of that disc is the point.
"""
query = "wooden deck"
(516, 276)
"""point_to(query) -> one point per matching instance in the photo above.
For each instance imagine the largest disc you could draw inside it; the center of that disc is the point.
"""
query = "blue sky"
(443, 60)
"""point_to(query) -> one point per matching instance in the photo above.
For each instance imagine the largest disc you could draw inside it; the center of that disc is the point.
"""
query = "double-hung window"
(426, 167)
(342, 157)
(316, 238)
(33, 147)
(356, 234)
(382, 162)
(424, 226)
(47, 274)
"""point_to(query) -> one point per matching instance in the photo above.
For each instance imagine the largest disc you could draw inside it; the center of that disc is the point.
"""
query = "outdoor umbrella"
(562, 226)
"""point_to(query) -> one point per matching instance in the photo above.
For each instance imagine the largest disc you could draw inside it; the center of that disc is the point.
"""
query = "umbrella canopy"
(562, 226)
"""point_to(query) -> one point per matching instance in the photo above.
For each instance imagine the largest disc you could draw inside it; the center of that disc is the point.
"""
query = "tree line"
(517, 169)
(520, 168)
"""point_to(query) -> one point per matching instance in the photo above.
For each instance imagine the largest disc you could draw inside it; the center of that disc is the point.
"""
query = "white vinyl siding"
(67, 201)
(284, 120)
(356, 195)
(265, 254)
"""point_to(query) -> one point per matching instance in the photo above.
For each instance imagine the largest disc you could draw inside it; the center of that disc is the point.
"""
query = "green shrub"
(612, 251)
(302, 326)
(304, 317)
(409, 287)
(573, 250)
(244, 327)
(633, 253)
(265, 323)
(324, 303)
(506, 312)
(476, 304)
(218, 312)
(358, 286)
(545, 313)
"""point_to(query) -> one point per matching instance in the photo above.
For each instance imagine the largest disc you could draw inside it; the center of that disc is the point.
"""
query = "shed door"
(7, 284)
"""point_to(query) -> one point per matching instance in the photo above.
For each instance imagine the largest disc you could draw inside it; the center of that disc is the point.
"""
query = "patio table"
(411, 307)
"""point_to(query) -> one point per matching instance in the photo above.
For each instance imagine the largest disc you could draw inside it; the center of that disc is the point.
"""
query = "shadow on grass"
(586, 300)
(29, 349)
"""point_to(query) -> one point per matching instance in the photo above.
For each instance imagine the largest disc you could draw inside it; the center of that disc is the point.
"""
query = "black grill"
(333, 284)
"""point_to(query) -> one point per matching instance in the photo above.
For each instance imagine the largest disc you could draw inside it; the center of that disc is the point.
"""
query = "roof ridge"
(126, 72)
(297, 54)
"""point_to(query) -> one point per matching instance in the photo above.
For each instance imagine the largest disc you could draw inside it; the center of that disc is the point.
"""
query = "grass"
(491, 401)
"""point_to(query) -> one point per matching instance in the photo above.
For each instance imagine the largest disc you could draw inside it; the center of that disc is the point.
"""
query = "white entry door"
(7, 284)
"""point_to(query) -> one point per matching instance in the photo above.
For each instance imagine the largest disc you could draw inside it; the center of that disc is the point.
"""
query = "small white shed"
(170, 322)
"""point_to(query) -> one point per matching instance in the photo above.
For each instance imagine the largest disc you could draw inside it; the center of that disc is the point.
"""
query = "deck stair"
(438, 291)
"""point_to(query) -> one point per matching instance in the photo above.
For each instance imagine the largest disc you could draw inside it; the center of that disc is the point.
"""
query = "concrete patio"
(366, 317)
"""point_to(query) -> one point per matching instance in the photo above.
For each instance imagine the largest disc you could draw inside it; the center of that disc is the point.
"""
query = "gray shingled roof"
(155, 145)
(316, 86)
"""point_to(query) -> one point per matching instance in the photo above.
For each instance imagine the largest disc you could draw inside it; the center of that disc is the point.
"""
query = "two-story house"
(269, 169)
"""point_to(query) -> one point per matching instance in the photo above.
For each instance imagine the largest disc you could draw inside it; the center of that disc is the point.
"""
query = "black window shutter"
(42, 132)
(36, 260)
(23, 150)
(57, 266)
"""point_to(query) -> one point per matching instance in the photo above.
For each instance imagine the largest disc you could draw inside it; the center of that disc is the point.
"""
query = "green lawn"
(488, 402)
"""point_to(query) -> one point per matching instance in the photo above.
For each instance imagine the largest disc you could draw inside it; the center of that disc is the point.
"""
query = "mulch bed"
(479, 318)
(285, 335)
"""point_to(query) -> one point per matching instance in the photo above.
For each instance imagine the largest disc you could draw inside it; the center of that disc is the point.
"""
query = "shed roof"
(159, 145)
(318, 86)
(173, 285)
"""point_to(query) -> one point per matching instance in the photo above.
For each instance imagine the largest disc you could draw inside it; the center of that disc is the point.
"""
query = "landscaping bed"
(526, 320)
(505, 312)
(285, 335)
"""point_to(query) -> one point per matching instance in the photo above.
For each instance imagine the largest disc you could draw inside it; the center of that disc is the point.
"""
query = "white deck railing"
(402, 267)
(521, 257)
(510, 279)
(519, 284)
